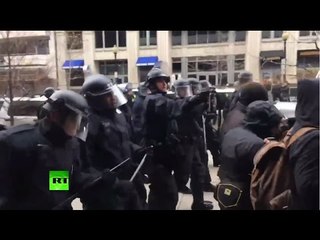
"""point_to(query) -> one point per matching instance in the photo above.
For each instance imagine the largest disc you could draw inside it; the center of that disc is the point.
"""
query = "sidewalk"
(185, 200)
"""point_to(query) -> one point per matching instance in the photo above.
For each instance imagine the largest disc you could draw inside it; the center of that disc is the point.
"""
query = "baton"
(90, 184)
(138, 168)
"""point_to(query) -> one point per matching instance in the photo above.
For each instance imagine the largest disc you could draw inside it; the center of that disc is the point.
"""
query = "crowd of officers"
(111, 145)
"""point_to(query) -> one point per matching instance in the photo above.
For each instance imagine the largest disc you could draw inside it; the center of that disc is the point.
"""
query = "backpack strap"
(265, 149)
(290, 139)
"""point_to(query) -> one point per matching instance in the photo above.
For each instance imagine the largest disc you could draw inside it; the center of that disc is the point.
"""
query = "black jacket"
(233, 119)
(137, 119)
(28, 154)
(237, 152)
(304, 153)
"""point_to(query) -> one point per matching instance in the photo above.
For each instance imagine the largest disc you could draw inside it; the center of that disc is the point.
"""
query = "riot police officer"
(29, 154)
(108, 141)
(198, 114)
(159, 130)
(187, 151)
(158, 110)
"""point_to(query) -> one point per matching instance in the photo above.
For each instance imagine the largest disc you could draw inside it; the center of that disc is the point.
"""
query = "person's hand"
(204, 96)
(109, 178)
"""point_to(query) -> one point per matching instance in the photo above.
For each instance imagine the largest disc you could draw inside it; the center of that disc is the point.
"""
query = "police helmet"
(71, 100)
(156, 73)
(48, 92)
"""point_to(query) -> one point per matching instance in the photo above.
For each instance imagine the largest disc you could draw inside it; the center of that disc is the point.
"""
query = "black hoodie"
(304, 153)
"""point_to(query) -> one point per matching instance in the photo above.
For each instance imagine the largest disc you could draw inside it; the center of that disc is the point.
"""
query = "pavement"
(185, 200)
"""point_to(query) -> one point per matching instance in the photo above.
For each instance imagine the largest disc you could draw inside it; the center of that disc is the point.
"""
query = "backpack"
(272, 177)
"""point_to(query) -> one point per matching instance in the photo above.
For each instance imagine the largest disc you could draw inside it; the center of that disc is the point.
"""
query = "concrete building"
(32, 59)
(218, 56)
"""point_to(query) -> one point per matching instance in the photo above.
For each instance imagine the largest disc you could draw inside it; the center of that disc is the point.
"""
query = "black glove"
(109, 178)
(204, 96)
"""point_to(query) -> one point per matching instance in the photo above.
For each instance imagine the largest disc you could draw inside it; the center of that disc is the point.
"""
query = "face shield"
(118, 98)
(71, 123)
(183, 91)
(82, 131)
(196, 89)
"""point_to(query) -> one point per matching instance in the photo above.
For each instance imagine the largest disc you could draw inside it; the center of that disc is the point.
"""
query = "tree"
(17, 63)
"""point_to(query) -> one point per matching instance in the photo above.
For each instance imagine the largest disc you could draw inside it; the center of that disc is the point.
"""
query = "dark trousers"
(163, 193)
(189, 163)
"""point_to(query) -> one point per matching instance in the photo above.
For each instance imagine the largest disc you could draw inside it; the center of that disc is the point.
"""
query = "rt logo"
(58, 180)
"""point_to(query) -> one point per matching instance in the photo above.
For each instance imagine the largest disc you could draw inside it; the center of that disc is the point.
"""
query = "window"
(74, 40)
(204, 37)
(107, 39)
(271, 34)
(25, 46)
(148, 38)
(240, 36)
(308, 33)
(239, 62)
(176, 65)
(143, 72)
(176, 37)
(75, 77)
(308, 59)
(109, 67)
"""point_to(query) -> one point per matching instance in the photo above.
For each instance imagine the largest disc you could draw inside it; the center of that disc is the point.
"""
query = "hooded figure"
(248, 93)
(304, 152)
(239, 147)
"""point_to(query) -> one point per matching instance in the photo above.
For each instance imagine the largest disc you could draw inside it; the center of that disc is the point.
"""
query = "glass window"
(266, 34)
(43, 47)
(176, 37)
(192, 37)
(110, 38)
(107, 39)
(122, 39)
(240, 36)
(143, 38)
(202, 37)
(74, 40)
(239, 62)
(192, 67)
(223, 36)
(98, 39)
(207, 66)
(148, 38)
(224, 79)
(176, 67)
(278, 34)
(304, 33)
(212, 36)
(153, 38)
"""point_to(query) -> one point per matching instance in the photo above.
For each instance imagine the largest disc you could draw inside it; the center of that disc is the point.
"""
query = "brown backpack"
(272, 179)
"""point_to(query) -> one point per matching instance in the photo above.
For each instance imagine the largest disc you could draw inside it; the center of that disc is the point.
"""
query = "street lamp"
(285, 37)
(115, 52)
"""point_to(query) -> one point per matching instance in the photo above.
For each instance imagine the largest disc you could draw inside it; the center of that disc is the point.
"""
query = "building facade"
(31, 57)
(218, 56)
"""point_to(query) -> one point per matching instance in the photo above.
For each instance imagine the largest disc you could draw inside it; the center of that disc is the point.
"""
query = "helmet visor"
(118, 96)
(183, 91)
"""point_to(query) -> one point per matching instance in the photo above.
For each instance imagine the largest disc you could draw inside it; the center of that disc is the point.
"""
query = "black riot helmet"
(72, 109)
(195, 85)
(182, 88)
(48, 92)
(154, 74)
(66, 99)
(96, 87)
(205, 86)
